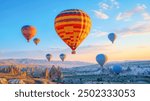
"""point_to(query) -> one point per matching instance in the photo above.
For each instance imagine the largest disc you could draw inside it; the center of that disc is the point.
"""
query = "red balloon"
(28, 32)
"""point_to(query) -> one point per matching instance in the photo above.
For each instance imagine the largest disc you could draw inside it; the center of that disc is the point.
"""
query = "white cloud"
(115, 3)
(108, 4)
(128, 14)
(101, 15)
(139, 28)
(98, 33)
(139, 8)
(104, 5)
(146, 16)
(124, 16)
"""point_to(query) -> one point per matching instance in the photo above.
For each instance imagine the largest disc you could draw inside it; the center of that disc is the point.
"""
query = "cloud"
(100, 14)
(84, 53)
(128, 14)
(81, 55)
(146, 16)
(115, 3)
(142, 46)
(142, 27)
(98, 33)
(124, 16)
(109, 4)
(104, 5)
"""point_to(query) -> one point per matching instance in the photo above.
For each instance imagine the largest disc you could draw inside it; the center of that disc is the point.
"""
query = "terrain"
(32, 71)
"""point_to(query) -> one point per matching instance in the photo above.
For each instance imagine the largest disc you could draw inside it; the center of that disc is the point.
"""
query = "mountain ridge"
(26, 61)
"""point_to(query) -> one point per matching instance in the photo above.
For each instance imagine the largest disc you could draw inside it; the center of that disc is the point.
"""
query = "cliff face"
(15, 75)
(3, 81)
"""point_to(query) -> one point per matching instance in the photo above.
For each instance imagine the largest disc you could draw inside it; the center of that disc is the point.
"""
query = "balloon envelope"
(112, 37)
(28, 32)
(62, 56)
(101, 59)
(117, 69)
(72, 26)
(48, 56)
(36, 40)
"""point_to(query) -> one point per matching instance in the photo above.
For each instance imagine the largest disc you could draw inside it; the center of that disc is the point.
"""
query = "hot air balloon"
(36, 40)
(101, 59)
(48, 56)
(62, 56)
(117, 69)
(72, 26)
(28, 32)
(112, 37)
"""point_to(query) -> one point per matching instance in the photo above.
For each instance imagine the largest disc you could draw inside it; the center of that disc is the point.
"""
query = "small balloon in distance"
(62, 56)
(28, 32)
(101, 59)
(117, 69)
(112, 37)
(49, 57)
(36, 41)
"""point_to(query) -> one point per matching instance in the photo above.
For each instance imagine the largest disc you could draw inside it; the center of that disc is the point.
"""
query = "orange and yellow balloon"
(28, 32)
(36, 40)
(72, 26)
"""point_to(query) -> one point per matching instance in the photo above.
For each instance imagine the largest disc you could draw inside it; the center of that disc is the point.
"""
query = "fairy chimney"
(46, 73)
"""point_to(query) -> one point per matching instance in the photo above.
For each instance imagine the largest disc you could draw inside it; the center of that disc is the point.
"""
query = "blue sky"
(124, 17)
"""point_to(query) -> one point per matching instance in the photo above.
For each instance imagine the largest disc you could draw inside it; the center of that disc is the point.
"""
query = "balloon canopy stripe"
(68, 15)
(66, 20)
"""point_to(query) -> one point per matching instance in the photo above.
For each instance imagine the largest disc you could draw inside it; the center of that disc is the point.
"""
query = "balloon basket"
(73, 52)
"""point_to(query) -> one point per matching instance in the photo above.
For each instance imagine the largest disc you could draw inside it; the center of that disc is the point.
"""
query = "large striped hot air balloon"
(28, 32)
(72, 26)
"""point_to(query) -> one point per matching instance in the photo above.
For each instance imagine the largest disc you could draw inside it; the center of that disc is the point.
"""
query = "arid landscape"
(29, 74)
(30, 71)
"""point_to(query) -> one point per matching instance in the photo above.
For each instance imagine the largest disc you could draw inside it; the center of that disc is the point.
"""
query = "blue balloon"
(101, 59)
(112, 37)
(49, 56)
(117, 69)
(62, 56)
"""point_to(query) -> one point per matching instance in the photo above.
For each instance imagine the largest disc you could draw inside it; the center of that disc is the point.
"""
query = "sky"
(130, 20)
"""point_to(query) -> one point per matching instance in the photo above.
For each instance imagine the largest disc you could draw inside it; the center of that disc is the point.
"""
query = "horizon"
(129, 20)
(35, 59)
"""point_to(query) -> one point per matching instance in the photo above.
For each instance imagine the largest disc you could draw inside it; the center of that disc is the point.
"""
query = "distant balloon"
(72, 26)
(36, 40)
(62, 56)
(117, 69)
(112, 37)
(28, 32)
(48, 56)
(101, 59)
